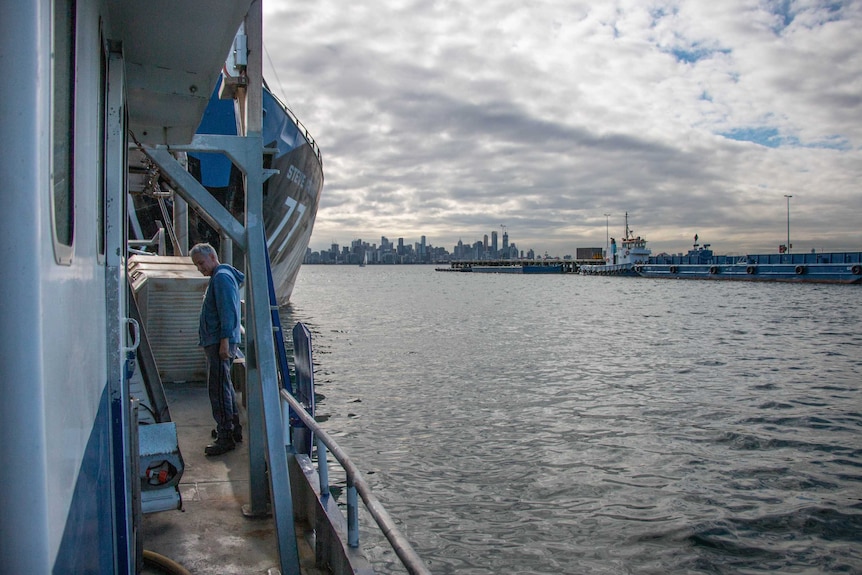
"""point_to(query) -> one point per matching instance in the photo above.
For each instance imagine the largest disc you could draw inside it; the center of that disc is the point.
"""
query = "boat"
(291, 196)
(702, 263)
(622, 260)
(99, 81)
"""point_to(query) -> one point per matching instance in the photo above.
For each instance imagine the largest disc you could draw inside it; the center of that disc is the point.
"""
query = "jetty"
(520, 266)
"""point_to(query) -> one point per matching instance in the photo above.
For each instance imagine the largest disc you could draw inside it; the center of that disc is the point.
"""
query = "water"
(564, 424)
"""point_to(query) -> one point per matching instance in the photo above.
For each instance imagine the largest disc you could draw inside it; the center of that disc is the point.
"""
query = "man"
(219, 334)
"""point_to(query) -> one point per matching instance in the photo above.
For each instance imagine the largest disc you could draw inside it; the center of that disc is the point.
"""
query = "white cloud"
(449, 118)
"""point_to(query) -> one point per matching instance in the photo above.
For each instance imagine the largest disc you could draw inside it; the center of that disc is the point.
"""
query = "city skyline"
(448, 118)
(490, 246)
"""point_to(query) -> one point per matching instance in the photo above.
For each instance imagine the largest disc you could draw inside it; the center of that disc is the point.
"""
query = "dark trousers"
(222, 396)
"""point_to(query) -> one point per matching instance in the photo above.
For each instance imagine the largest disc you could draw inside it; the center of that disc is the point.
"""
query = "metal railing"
(355, 485)
(158, 240)
(299, 125)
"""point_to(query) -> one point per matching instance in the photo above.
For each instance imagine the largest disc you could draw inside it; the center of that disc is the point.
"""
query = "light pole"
(607, 237)
(788, 222)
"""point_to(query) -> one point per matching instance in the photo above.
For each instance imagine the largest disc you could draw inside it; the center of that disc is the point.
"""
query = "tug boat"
(623, 260)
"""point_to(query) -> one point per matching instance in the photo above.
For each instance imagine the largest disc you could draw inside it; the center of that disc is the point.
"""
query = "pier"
(513, 266)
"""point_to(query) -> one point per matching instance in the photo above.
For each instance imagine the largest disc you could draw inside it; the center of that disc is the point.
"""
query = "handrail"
(157, 240)
(409, 558)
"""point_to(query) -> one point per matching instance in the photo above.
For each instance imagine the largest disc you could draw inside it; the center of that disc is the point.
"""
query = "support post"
(264, 410)
(181, 224)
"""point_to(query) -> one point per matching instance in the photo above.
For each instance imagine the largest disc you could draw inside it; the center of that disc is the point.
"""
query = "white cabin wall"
(60, 323)
(73, 306)
(24, 111)
(52, 316)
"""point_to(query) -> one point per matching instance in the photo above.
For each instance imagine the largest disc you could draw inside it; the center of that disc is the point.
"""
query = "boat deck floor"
(211, 535)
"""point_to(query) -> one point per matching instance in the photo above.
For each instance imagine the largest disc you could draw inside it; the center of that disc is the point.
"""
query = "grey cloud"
(448, 119)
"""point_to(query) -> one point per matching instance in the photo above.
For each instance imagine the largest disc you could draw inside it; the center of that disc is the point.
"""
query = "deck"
(211, 535)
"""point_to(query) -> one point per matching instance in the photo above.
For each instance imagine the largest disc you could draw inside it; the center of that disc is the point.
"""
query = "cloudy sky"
(450, 118)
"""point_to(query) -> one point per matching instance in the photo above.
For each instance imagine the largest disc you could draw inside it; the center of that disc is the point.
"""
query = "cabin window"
(63, 128)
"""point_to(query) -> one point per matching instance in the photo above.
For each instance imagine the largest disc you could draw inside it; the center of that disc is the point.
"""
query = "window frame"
(62, 133)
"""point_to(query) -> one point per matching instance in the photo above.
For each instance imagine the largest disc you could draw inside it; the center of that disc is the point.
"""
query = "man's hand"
(224, 349)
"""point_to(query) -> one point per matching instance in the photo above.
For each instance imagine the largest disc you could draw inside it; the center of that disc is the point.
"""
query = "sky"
(453, 118)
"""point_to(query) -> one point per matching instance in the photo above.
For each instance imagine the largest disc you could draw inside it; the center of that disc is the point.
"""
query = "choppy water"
(565, 424)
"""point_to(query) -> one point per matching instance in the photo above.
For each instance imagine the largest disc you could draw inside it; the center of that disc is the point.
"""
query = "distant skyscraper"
(506, 242)
(494, 243)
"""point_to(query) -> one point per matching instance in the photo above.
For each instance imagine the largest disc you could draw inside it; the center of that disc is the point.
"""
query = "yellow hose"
(165, 564)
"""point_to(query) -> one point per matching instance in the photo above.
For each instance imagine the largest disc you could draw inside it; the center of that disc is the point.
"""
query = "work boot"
(237, 429)
(237, 432)
(220, 446)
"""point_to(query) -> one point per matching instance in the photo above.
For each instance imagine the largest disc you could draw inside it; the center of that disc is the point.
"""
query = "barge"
(702, 263)
(635, 259)
(512, 266)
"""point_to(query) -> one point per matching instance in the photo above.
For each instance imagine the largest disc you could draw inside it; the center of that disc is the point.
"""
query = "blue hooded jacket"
(220, 312)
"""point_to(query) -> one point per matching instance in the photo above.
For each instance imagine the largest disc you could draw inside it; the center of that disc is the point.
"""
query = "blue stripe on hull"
(88, 541)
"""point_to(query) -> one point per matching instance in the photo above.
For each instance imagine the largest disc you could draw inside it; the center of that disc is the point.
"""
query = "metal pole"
(322, 465)
(352, 514)
(788, 222)
(607, 236)
(266, 438)
(181, 223)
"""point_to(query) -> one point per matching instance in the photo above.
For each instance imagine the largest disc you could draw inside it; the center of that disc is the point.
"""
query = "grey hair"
(203, 249)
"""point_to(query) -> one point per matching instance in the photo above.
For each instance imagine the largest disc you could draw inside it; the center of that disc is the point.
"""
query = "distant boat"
(624, 261)
(364, 261)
